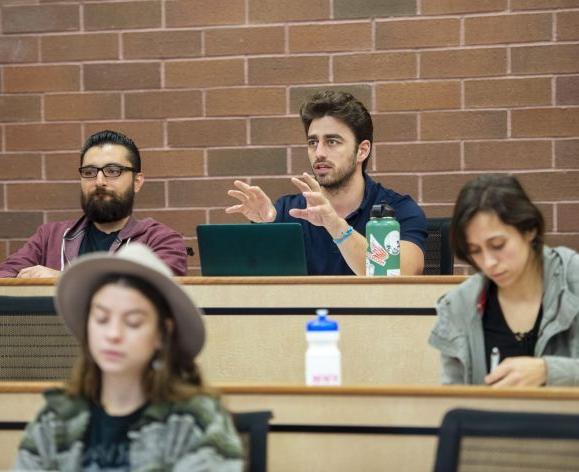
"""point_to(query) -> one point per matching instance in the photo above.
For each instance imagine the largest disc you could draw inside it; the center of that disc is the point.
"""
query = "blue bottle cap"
(322, 323)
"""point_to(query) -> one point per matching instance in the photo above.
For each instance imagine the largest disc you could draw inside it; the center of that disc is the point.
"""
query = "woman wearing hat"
(135, 400)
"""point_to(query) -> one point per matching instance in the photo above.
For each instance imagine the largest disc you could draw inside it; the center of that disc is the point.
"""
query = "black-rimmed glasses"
(110, 171)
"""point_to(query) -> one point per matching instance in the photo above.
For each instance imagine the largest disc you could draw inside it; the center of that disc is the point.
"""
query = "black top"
(106, 442)
(95, 240)
(322, 254)
(498, 334)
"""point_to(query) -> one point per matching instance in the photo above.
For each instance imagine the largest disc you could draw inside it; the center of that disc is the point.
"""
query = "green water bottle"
(383, 236)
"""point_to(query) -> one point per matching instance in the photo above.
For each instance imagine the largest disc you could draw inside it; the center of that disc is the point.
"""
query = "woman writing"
(515, 322)
(135, 400)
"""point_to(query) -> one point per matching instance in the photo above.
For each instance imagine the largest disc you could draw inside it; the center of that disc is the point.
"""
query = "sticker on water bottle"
(377, 253)
(392, 243)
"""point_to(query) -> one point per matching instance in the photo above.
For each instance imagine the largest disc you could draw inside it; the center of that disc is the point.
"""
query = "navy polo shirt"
(322, 254)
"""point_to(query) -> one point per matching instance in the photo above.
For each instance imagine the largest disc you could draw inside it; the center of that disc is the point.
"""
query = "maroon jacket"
(56, 244)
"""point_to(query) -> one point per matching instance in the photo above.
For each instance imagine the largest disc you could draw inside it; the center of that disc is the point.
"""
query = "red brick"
(38, 137)
(161, 44)
(401, 34)
(122, 76)
(551, 186)
(152, 195)
(62, 215)
(20, 166)
(570, 240)
(567, 153)
(165, 104)
(403, 184)
(508, 29)
(273, 187)
(219, 217)
(146, 134)
(378, 66)
(417, 157)
(395, 127)
(14, 245)
(122, 15)
(463, 63)
(507, 92)
(540, 122)
(79, 47)
(287, 130)
(373, 8)
(18, 49)
(507, 155)
(40, 18)
(437, 211)
(3, 250)
(561, 58)
(198, 133)
(568, 90)
(204, 12)
(19, 108)
(417, 96)
(48, 196)
(245, 101)
(82, 106)
(288, 70)
(568, 217)
(245, 40)
(41, 79)
(329, 38)
(247, 161)
(17, 224)
(182, 221)
(298, 95)
(299, 161)
(568, 25)
(547, 210)
(204, 73)
(443, 188)
(62, 165)
(542, 4)
(199, 193)
(273, 11)
(175, 163)
(437, 7)
(464, 125)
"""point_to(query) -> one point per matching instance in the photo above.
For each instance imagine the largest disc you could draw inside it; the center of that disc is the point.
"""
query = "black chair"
(491, 441)
(439, 258)
(35, 343)
(253, 427)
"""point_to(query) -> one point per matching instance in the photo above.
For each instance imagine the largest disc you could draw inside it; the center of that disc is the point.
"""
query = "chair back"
(491, 441)
(439, 258)
(253, 427)
(35, 343)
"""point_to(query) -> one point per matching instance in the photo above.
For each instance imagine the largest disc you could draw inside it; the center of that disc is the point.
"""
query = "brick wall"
(209, 90)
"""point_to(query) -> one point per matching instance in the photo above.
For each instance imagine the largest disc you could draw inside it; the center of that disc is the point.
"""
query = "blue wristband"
(345, 235)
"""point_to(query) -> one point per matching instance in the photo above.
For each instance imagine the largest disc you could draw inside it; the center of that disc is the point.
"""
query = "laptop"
(252, 249)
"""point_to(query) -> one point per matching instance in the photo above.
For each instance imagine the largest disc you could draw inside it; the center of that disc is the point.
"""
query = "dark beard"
(340, 180)
(107, 211)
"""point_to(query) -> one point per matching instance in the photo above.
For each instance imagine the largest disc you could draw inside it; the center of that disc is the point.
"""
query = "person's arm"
(169, 246)
(29, 256)
(254, 204)
(411, 259)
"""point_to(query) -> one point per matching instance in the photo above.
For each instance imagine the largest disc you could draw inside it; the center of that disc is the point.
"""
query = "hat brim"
(79, 282)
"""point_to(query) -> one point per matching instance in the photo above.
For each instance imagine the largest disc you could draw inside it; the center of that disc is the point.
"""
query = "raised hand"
(255, 204)
(319, 211)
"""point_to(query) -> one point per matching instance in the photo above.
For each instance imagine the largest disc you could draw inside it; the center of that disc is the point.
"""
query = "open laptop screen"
(252, 249)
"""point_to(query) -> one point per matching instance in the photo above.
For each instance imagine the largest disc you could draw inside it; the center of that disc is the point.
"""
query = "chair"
(35, 343)
(253, 427)
(438, 258)
(491, 441)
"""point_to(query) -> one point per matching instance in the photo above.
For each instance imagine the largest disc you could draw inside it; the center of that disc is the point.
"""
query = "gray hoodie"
(458, 332)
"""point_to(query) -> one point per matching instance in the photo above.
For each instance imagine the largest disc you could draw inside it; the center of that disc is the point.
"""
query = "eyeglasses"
(110, 171)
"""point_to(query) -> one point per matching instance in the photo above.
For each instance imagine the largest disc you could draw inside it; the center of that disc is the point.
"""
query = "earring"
(157, 363)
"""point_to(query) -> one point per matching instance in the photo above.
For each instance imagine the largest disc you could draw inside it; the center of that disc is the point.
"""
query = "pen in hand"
(495, 358)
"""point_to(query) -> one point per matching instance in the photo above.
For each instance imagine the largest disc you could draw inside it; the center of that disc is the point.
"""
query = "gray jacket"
(458, 332)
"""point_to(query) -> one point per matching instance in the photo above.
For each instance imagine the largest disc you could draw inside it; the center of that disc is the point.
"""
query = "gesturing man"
(110, 176)
(334, 204)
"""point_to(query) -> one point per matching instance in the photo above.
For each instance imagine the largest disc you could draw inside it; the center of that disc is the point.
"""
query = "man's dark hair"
(113, 137)
(344, 107)
(504, 196)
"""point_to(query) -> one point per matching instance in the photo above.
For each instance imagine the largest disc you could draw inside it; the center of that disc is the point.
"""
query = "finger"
(234, 209)
(242, 197)
(241, 185)
(312, 182)
(301, 185)
(314, 198)
(499, 373)
(301, 213)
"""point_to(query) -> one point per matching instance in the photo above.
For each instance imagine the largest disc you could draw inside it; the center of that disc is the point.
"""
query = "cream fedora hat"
(79, 281)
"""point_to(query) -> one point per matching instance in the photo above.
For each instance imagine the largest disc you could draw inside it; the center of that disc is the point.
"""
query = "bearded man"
(110, 176)
(334, 204)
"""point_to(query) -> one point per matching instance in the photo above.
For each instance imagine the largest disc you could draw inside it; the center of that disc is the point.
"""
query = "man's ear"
(138, 181)
(363, 151)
